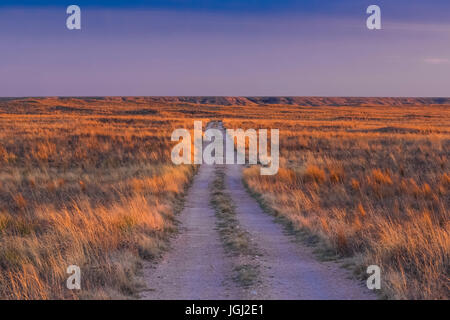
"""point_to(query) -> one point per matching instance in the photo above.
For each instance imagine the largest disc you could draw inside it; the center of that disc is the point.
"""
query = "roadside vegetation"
(371, 184)
(89, 182)
(236, 240)
(86, 184)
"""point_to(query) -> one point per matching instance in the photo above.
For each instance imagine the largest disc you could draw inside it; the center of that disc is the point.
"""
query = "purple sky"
(147, 51)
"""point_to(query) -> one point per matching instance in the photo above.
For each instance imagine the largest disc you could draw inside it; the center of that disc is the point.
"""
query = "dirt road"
(197, 267)
(288, 270)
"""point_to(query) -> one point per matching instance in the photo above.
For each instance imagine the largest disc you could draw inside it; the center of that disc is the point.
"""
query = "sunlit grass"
(374, 188)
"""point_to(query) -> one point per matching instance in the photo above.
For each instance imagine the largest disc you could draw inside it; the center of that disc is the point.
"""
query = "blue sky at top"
(405, 8)
(249, 47)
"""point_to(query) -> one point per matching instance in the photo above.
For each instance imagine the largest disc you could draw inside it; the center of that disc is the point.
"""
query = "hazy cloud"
(437, 61)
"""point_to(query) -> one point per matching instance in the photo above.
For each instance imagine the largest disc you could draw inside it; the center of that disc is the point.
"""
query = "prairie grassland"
(371, 183)
(87, 183)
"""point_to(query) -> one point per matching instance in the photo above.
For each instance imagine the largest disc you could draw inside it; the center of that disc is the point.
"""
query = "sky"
(231, 48)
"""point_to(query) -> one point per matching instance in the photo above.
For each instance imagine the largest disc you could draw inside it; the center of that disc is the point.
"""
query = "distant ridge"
(302, 101)
(234, 101)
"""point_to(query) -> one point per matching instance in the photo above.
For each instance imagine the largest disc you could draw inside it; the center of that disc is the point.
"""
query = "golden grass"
(372, 183)
(88, 187)
(89, 181)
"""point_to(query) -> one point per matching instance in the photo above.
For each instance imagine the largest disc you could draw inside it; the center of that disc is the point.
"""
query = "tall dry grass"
(87, 183)
(372, 183)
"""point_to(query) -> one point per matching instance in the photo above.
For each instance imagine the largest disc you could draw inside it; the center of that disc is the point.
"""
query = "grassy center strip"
(236, 239)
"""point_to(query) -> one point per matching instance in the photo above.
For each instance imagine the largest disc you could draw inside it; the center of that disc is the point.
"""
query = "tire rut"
(197, 266)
